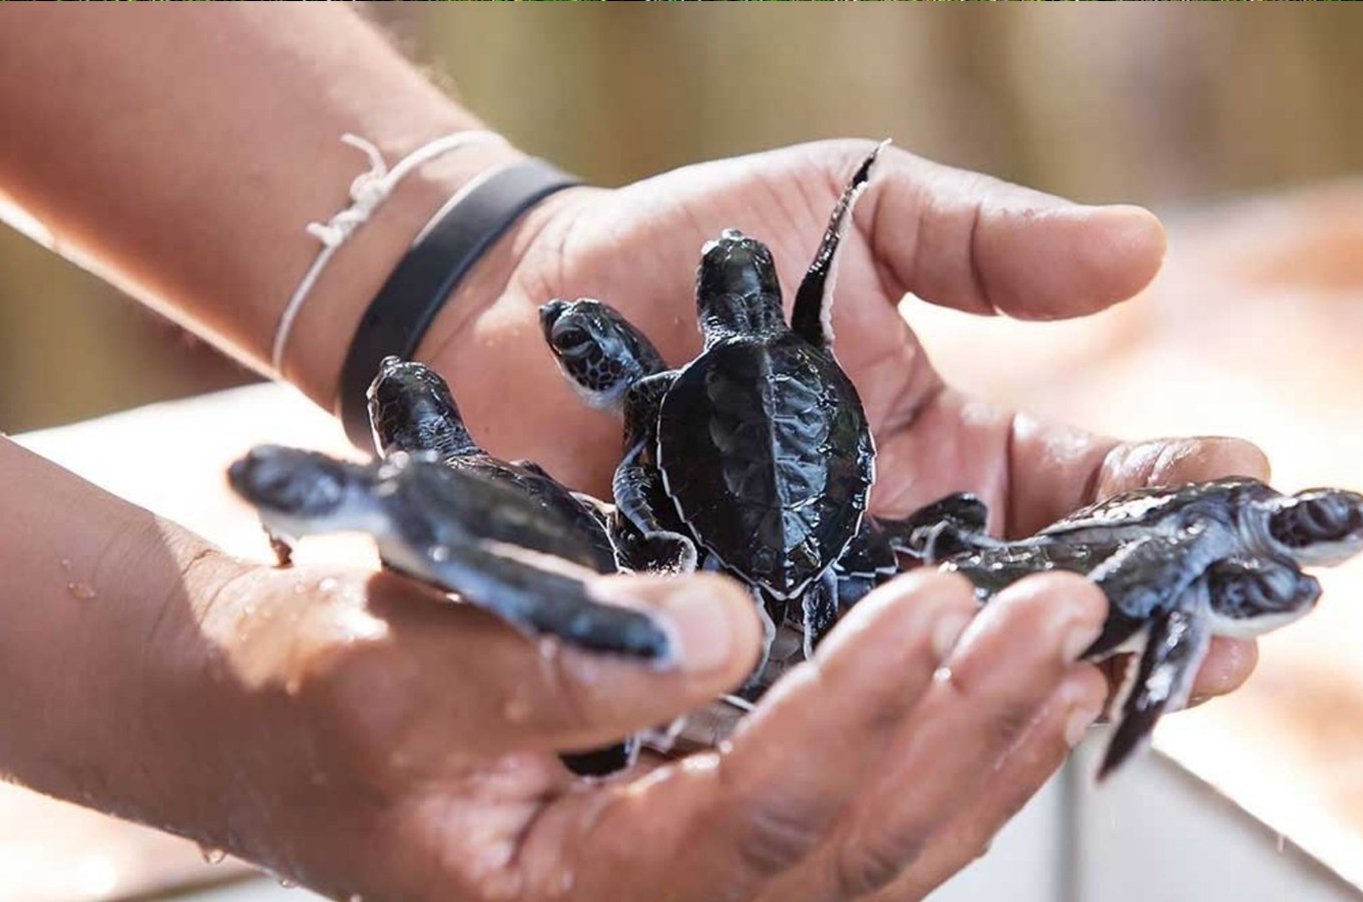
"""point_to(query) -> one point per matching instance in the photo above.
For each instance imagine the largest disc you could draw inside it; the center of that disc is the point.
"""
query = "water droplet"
(564, 884)
(327, 585)
(286, 882)
(293, 685)
(517, 710)
(82, 590)
(66, 563)
(548, 648)
(299, 588)
(440, 554)
(941, 675)
(212, 855)
(355, 897)
(724, 747)
(500, 885)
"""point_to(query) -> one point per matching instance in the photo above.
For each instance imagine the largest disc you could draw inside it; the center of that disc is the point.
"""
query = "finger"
(978, 244)
(1228, 664)
(1012, 659)
(447, 670)
(752, 811)
(1055, 470)
(1008, 787)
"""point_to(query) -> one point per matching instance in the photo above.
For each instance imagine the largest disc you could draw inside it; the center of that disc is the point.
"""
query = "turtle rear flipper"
(820, 610)
(812, 314)
(1176, 646)
(669, 553)
(949, 525)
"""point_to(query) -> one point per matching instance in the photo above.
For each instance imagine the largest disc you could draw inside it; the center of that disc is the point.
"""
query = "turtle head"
(736, 288)
(300, 493)
(1318, 526)
(598, 350)
(411, 409)
(1250, 598)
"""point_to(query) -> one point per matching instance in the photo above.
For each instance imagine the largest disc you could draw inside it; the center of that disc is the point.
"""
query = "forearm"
(101, 657)
(181, 153)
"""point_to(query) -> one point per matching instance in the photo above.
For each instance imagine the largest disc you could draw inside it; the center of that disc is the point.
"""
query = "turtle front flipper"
(656, 546)
(539, 597)
(1176, 645)
(812, 314)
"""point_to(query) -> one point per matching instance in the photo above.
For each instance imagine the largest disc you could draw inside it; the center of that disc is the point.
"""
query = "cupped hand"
(371, 739)
(950, 237)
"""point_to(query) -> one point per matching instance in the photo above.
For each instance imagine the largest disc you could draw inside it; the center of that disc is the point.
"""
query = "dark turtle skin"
(612, 365)
(455, 529)
(412, 411)
(758, 451)
(1178, 566)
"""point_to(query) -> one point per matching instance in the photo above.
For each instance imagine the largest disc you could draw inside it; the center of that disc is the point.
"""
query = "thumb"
(586, 699)
(979, 244)
(556, 697)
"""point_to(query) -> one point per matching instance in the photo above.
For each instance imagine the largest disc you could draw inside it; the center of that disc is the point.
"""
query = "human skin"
(359, 739)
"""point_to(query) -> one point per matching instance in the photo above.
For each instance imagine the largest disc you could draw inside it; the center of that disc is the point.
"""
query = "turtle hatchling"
(412, 411)
(758, 451)
(1178, 566)
(457, 529)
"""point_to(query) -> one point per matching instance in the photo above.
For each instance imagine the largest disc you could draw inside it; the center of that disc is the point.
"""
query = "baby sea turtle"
(412, 411)
(758, 450)
(457, 529)
(1178, 566)
(611, 365)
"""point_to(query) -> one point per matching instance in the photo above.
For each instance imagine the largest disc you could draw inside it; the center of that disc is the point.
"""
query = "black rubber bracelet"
(425, 277)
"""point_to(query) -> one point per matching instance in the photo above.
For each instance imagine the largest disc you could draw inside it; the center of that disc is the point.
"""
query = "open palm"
(858, 774)
(950, 237)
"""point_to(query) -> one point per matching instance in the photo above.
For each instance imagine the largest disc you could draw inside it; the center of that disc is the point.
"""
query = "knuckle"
(1052, 603)
(775, 835)
(1006, 708)
(1007, 724)
(867, 865)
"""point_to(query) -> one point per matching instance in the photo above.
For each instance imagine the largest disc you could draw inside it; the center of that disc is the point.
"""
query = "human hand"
(951, 237)
(359, 734)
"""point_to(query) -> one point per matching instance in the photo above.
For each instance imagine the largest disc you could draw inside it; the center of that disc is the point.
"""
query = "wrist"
(327, 322)
(512, 262)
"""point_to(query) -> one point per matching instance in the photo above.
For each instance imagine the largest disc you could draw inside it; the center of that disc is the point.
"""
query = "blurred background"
(1160, 106)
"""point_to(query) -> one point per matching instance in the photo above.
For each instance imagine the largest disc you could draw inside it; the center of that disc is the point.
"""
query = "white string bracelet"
(369, 190)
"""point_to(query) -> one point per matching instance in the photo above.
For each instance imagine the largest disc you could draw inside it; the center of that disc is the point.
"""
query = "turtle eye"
(570, 338)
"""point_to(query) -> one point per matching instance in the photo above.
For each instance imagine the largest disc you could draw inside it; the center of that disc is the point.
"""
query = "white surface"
(1158, 834)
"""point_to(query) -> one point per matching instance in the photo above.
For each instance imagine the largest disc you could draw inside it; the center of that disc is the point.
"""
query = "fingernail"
(1082, 634)
(1077, 724)
(947, 630)
(701, 623)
